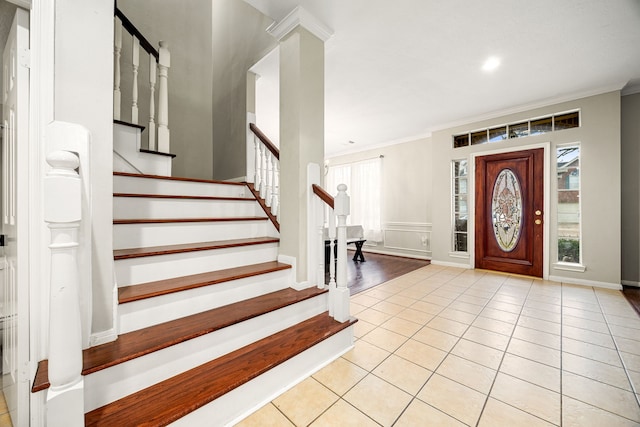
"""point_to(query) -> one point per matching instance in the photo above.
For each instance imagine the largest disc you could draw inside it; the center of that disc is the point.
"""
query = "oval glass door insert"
(506, 210)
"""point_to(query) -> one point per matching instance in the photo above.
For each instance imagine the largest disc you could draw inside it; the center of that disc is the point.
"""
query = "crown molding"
(300, 17)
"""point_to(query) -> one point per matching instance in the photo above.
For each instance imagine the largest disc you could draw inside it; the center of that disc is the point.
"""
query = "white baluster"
(163, 98)
(332, 262)
(268, 171)
(263, 167)
(275, 195)
(117, 49)
(321, 246)
(153, 71)
(341, 301)
(62, 189)
(256, 177)
(135, 60)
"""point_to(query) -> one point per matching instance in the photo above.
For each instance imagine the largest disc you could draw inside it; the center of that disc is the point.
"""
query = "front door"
(509, 212)
(15, 217)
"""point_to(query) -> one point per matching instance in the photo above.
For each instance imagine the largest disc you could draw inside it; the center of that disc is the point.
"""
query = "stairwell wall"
(239, 41)
(186, 26)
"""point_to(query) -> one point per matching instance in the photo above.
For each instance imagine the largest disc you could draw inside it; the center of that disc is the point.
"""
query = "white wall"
(406, 196)
(631, 189)
(239, 41)
(84, 95)
(599, 135)
(186, 26)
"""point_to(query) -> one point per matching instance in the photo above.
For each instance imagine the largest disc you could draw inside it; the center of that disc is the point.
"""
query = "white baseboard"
(450, 264)
(631, 283)
(366, 249)
(584, 282)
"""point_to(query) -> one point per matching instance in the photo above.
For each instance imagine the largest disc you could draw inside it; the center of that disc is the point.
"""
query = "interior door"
(509, 212)
(15, 216)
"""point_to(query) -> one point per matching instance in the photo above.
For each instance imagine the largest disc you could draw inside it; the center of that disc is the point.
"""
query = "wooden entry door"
(509, 212)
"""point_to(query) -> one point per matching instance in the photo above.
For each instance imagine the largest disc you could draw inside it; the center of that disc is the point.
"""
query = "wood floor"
(377, 269)
(632, 294)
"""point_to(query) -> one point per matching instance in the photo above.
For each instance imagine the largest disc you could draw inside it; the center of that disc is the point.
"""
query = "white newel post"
(62, 190)
(117, 49)
(341, 299)
(163, 98)
(153, 71)
(135, 61)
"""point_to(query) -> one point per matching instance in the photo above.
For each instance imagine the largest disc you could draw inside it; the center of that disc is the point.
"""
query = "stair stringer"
(242, 401)
(113, 383)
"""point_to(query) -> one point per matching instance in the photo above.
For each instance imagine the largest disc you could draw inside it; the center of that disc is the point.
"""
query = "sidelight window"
(569, 229)
(460, 205)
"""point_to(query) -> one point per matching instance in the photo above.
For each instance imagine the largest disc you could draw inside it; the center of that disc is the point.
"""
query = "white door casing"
(15, 218)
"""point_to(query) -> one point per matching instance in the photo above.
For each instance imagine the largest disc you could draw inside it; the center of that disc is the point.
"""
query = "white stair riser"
(146, 235)
(154, 208)
(113, 383)
(152, 311)
(136, 185)
(147, 269)
(251, 396)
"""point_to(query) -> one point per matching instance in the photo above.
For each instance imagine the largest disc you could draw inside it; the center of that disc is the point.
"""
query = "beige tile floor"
(451, 347)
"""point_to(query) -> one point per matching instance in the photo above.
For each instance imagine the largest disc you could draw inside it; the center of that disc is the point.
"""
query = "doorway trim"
(547, 200)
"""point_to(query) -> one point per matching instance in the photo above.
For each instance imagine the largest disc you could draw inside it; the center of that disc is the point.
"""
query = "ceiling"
(397, 70)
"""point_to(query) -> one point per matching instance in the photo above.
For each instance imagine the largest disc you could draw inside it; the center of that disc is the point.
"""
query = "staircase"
(209, 326)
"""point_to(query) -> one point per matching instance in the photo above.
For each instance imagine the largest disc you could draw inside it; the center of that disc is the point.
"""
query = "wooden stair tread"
(163, 287)
(154, 338)
(176, 178)
(190, 247)
(177, 196)
(181, 220)
(165, 402)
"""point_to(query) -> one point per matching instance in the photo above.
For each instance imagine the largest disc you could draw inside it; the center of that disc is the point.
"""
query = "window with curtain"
(363, 180)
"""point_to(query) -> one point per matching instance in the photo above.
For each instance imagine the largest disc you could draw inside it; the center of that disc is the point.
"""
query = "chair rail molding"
(413, 237)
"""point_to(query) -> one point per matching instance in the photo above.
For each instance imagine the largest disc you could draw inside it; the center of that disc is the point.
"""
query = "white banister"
(258, 162)
(164, 62)
(275, 188)
(323, 232)
(263, 170)
(135, 61)
(63, 213)
(268, 172)
(153, 71)
(117, 49)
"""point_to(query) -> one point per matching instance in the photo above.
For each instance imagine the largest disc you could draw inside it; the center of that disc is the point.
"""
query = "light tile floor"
(451, 347)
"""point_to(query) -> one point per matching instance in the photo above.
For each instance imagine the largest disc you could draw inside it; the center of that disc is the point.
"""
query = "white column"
(341, 299)
(163, 98)
(153, 71)
(62, 190)
(117, 49)
(135, 61)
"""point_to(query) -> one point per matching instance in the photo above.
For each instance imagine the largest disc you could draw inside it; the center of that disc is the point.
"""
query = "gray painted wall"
(186, 26)
(239, 41)
(631, 189)
(599, 136)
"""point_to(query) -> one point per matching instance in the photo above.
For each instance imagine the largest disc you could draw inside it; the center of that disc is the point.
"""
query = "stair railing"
(63, 214)
(159, 63)
(263, 168)
(331, 213)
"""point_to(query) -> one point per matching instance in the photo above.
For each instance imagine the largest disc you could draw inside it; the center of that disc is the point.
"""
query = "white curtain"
(363, 180)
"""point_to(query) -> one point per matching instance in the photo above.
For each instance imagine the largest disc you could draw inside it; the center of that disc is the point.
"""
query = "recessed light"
(491, 63)
(352, 142)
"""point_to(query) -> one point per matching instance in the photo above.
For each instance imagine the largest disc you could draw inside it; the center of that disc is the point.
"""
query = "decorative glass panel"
(506, 208)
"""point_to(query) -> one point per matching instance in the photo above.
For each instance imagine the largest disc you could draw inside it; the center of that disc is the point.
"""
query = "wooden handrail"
(265, 140)
(324, 196)
(128, 25)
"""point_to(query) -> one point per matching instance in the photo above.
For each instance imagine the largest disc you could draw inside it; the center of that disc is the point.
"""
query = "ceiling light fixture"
(352, 142)
(491, 63)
